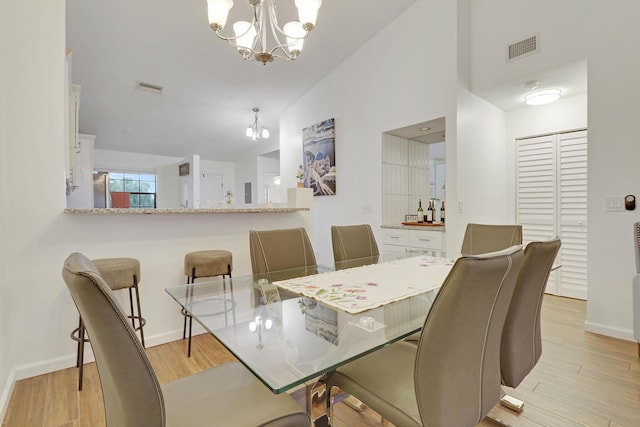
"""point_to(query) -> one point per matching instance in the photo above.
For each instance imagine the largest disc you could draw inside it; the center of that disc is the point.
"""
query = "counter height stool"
(119, 273)
(200, 264)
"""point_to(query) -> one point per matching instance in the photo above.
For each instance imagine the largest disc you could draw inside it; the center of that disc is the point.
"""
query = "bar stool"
(118, 273)
(200, 264)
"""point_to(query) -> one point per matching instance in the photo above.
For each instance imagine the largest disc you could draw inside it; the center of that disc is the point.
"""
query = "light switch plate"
(615, 204)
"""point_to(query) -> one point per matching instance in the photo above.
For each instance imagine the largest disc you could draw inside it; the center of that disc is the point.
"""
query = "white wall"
(37, 313)
(481, 165)
(5, 367)
(605, 33)
(405, 74)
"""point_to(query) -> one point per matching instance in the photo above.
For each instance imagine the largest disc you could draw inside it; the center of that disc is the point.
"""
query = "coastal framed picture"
(319, 160)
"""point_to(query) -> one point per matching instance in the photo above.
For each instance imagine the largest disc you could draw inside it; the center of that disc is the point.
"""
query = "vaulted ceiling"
(208, 90)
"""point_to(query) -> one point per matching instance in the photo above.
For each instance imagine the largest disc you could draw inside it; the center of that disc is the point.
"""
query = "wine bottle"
(420, 212)
(430, 212)
(442, 213)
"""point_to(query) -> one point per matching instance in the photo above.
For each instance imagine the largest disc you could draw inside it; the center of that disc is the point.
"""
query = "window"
(141, 186)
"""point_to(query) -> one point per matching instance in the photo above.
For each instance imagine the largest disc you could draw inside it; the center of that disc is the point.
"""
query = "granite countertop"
(438, 227)
(221, 210)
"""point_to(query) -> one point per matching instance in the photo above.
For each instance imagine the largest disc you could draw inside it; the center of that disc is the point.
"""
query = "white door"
(551, 200)
(211, 190)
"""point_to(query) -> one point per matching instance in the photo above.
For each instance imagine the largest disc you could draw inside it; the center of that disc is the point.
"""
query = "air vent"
(523, 47)
(149, 87)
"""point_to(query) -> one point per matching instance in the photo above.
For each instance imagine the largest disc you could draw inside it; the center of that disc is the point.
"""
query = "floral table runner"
(358, 289)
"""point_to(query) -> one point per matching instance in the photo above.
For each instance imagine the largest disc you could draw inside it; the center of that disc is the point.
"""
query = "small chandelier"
(256, 131)
(251, 37)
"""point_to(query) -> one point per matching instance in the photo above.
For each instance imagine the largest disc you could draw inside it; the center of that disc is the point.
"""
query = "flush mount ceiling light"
(541, 97)
(251, 37)
(256, 131)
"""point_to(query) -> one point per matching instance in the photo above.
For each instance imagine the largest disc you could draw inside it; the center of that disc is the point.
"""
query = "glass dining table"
(290, 327)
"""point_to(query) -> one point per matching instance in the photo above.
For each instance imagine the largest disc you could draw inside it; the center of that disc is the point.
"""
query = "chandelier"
(251, 37)
(256, 131)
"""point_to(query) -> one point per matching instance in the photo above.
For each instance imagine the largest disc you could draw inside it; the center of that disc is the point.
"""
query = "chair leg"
(193, 279)
(80, 361)
(190, 325)
(79, 336)
(184, 313)
(141, 321)
(78, 340)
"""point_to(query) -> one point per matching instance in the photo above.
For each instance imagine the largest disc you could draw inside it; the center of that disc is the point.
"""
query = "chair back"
(280, 250)
(131, 392)
(636, 236)
(457, 368)
(521, 338)
(354, 245)
(485, 238)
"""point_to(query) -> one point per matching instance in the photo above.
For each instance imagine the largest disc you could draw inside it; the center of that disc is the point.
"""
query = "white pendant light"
(252, 39)
(256, 131)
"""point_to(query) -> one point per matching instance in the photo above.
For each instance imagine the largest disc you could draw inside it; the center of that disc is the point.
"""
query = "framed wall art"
(319, 160)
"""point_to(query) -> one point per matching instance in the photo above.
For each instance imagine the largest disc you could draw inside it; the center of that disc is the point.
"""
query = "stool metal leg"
(190, 280)
(79, 335)
(81, 361)
(193, 279)
(141, 321)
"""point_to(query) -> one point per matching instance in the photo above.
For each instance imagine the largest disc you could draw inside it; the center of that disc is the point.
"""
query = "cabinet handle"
(424, 240)
(394, 237)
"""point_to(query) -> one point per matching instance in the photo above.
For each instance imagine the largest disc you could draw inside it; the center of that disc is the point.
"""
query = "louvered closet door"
(573, 213)
(551, 199)
(536, 185)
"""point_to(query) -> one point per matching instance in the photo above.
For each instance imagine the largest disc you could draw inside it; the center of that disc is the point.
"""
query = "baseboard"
(6, 395)
(598, 328)
(64, 362)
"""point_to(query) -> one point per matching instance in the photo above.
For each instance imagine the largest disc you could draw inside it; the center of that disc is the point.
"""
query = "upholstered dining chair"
(521, 345)
(287, 251)
(353, 245)
(452, 377)
(484, 238)
(226, 395)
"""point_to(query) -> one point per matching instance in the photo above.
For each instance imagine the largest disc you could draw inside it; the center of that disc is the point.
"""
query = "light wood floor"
(582, 379)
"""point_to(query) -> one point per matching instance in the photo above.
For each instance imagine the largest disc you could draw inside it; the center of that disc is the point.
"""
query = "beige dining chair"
(484, 238)
(452, 377)
(227, 395)
(521, 345)
(287, 251)
(353, 245)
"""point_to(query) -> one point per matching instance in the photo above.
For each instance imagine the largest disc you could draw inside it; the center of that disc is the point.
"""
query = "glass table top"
(286, 339)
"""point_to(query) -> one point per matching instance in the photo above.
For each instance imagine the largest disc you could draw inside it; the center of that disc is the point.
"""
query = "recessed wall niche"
(413, 168)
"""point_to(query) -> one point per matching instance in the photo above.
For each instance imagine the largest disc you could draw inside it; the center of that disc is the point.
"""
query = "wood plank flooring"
(582, 379)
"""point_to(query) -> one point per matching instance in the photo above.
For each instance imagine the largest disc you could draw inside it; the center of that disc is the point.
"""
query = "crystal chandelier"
(251, 37)
(256, 131)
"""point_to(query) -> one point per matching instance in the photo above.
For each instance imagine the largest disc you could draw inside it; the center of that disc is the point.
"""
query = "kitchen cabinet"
(412, 239)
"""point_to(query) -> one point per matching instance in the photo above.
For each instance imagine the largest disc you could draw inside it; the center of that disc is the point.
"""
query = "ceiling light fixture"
(256, 131)
(251, 37)
(541, 97)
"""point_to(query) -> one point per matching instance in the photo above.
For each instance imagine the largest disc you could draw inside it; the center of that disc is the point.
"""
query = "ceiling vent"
(149, 87)
(524, 47)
